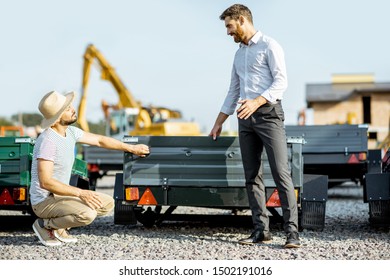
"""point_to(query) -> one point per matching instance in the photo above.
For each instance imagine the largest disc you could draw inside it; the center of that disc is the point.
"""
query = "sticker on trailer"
(131, 140)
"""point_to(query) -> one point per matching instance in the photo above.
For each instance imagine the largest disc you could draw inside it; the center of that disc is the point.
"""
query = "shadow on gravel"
(223, 231)
(346, 191)
(19, 239)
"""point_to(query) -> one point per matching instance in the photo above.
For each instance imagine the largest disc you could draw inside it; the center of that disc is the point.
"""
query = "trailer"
(200, 172)
(100, 162)
(338, 151)
(15, 173)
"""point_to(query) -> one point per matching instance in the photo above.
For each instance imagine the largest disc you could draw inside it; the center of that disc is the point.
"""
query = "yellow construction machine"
(128, 116)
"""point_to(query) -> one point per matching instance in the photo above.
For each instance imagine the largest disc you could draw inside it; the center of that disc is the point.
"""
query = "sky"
(176, 53)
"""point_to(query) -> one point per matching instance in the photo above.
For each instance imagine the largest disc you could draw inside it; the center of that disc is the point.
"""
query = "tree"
(5, 122)
(28, 119)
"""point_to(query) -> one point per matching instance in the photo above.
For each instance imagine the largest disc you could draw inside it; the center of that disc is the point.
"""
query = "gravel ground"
(347, 236)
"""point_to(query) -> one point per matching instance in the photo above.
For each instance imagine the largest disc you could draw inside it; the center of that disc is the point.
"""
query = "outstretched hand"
(140, 150)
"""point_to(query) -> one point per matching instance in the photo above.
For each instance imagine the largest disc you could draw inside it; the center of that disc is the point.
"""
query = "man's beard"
(66, 123)
(238, 35)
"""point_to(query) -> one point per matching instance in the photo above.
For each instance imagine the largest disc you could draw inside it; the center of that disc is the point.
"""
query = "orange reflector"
(132, 193)
(362, 156)
(93, 167)
(19, 194)
(353, 159)
(5, 198)
(147, 198)
(274, 200)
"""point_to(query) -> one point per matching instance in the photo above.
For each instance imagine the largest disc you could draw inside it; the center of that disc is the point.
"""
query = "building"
(352, 99)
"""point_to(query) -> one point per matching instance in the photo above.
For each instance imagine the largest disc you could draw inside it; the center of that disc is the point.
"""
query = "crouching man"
(58, 205)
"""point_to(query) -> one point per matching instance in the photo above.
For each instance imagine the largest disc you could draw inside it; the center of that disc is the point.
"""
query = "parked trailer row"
(187, 172)
(338, 151)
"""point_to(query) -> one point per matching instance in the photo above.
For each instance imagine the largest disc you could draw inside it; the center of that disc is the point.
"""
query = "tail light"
(357, 158)
(362, 156)
(93, 167)
(132, 193)
(19, 194)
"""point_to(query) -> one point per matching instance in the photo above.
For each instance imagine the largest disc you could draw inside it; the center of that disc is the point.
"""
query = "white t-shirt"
(58, 149)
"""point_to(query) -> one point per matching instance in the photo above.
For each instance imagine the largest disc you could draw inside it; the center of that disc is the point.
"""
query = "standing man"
(258, 82)
(58, 205)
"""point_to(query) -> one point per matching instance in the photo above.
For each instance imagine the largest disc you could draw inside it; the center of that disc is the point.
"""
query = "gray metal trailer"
(100, 162)
(338, 151)
(341, 152)
(199, 172)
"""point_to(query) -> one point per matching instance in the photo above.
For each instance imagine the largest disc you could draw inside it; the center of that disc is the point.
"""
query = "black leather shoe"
(292, 240)
(258, 236)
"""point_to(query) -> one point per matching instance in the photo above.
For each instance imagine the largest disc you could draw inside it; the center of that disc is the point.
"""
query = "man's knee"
(108, 205)
(86, 217)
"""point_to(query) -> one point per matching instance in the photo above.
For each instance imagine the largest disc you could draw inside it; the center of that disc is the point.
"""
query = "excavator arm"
(128, 116)
(126, 99)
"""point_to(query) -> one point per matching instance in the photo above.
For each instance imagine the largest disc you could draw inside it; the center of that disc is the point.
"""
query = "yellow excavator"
(128, 116)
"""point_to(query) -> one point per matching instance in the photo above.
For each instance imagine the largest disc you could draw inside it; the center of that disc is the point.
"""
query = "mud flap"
(377, 194)
(123, 211)
(313, 202)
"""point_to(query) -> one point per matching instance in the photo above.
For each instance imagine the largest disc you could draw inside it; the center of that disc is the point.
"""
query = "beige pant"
(60, 212)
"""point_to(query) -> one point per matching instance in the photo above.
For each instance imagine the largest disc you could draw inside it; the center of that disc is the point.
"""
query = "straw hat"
(52, 105)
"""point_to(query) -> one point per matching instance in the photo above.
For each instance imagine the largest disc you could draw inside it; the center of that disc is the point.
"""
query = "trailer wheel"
(149, 217)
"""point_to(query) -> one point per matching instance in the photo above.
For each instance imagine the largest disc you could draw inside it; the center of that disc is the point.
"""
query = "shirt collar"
(255, 38)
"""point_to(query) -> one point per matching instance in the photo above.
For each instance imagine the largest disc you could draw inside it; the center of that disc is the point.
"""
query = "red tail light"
(93, 167)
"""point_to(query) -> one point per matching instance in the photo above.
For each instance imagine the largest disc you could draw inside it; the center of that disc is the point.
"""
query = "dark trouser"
(265, 129)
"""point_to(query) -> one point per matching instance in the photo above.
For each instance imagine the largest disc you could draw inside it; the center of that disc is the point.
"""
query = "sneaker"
(64, 236)
(292, 240)
(46, 236)
(258, 236)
